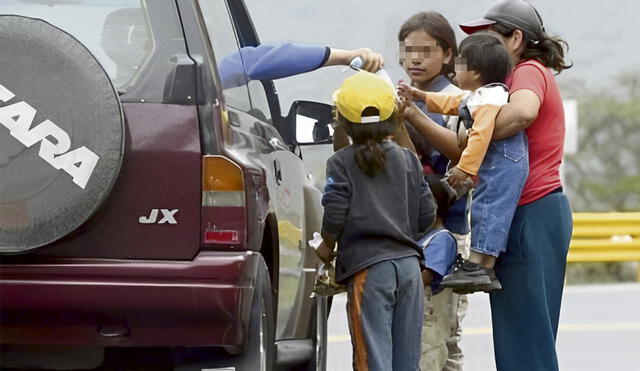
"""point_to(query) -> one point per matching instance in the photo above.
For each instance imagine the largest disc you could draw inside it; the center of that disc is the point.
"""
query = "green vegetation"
(605, 173)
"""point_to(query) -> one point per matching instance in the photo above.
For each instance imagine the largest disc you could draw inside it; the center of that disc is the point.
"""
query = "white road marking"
(577, 327)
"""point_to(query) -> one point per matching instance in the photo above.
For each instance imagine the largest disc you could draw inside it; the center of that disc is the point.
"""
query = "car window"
(227, 53)
(116, 32)
(259, 102)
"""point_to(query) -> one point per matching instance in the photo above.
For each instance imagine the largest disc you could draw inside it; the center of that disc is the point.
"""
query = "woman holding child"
(525, 312)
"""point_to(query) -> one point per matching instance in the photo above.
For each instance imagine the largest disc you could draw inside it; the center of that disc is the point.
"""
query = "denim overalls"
(501, 177)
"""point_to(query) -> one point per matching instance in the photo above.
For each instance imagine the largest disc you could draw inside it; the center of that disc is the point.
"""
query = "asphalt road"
(599, 330)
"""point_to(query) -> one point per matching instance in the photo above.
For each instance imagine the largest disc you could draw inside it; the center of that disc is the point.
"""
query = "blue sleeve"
(270, 62)
(231, 71)
(275, 61)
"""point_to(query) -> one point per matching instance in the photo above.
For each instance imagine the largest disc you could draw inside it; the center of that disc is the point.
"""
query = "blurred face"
(466, 79)
(422, 57)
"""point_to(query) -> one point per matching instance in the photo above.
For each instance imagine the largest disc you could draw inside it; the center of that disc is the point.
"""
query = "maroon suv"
(150, 214)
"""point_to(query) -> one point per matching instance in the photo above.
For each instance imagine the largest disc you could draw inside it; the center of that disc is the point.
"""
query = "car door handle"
(277, 144)
(278, 171)
(234, 118)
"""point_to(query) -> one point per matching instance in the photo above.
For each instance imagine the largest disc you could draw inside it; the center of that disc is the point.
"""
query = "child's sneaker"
(494, 285)
(468, 277)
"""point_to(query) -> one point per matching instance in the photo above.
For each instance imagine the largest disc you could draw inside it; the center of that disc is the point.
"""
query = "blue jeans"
(384, 307)
(501, 178)
(526, 311)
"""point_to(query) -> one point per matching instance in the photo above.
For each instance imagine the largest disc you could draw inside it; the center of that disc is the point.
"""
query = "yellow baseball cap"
(362, 90)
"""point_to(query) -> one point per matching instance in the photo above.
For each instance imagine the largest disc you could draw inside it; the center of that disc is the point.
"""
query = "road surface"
(599, 330)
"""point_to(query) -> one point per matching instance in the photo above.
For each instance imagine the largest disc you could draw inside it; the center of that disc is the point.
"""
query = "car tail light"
(221, 236)
(223, 202)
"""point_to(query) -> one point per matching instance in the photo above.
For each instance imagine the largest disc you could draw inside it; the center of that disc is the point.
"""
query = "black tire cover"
(54, 73)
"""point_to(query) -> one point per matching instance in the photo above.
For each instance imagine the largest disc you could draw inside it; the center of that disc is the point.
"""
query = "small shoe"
(470, 277)
(493, 286)
(495, 283)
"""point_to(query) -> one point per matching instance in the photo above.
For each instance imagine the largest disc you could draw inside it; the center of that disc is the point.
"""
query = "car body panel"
(155, 303)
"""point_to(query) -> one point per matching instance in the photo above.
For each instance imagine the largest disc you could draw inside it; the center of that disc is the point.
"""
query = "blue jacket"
(270, 62)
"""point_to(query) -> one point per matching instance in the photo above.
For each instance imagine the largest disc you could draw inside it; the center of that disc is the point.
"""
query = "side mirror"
(310, 123)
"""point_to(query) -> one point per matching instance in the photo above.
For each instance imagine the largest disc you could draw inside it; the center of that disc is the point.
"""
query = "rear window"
(117, 32)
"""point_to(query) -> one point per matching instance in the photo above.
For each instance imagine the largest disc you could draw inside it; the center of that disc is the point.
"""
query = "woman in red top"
(525, 312)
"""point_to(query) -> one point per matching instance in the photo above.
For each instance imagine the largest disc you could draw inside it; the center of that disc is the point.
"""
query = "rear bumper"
(128, 303)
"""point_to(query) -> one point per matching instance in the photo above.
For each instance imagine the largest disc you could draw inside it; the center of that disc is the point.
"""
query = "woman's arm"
(516, 115)
(372, 61)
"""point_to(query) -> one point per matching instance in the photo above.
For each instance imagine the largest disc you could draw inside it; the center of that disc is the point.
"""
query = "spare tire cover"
(61, 134)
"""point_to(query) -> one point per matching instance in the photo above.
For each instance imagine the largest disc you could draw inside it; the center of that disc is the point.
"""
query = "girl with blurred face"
(427, 48)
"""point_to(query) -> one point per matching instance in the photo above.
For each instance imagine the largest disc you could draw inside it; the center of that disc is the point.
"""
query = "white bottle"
(317, 240)
(357, 63)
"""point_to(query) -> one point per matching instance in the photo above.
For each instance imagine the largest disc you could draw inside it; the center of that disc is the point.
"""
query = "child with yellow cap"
(376, 204)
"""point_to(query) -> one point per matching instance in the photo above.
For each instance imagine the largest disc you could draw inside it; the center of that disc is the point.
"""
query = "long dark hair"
(437, 26)
(550, 50)
(369, 156)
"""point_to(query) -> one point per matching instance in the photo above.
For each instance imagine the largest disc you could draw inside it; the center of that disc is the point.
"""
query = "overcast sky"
(602, 35)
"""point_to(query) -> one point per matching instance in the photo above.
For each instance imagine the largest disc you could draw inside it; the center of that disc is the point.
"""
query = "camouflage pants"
(441, 327)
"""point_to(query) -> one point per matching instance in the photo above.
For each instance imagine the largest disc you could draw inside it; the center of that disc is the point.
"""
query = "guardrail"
(605, 237)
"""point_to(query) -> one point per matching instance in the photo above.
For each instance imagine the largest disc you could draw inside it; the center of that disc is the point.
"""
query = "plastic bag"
(325, 284)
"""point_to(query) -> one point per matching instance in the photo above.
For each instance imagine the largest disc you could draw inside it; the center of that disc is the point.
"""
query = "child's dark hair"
(486, 55)
(369, 157)
(439, 194)
(549, 51)
(437, 26)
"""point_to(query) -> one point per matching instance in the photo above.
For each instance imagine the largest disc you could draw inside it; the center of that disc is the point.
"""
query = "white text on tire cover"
(18, 118)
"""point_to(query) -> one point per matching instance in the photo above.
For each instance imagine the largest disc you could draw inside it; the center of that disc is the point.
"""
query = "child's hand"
(427, 277)
(408, 109)
(409, 92)
(325, 253)
(457, 178)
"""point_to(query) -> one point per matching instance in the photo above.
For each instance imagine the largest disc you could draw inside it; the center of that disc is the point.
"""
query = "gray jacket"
(375, 218)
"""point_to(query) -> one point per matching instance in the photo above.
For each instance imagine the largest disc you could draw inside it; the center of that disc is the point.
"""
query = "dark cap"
(516, 14)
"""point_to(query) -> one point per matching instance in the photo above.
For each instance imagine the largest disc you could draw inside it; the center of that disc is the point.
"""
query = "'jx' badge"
(168, 216)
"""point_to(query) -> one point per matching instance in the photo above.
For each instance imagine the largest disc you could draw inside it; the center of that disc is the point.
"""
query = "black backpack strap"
(465, 115)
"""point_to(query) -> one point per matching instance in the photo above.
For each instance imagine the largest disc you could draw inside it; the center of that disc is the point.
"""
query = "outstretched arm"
(372, 61)
(446, 104)
(441, 138)
(276, 61)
